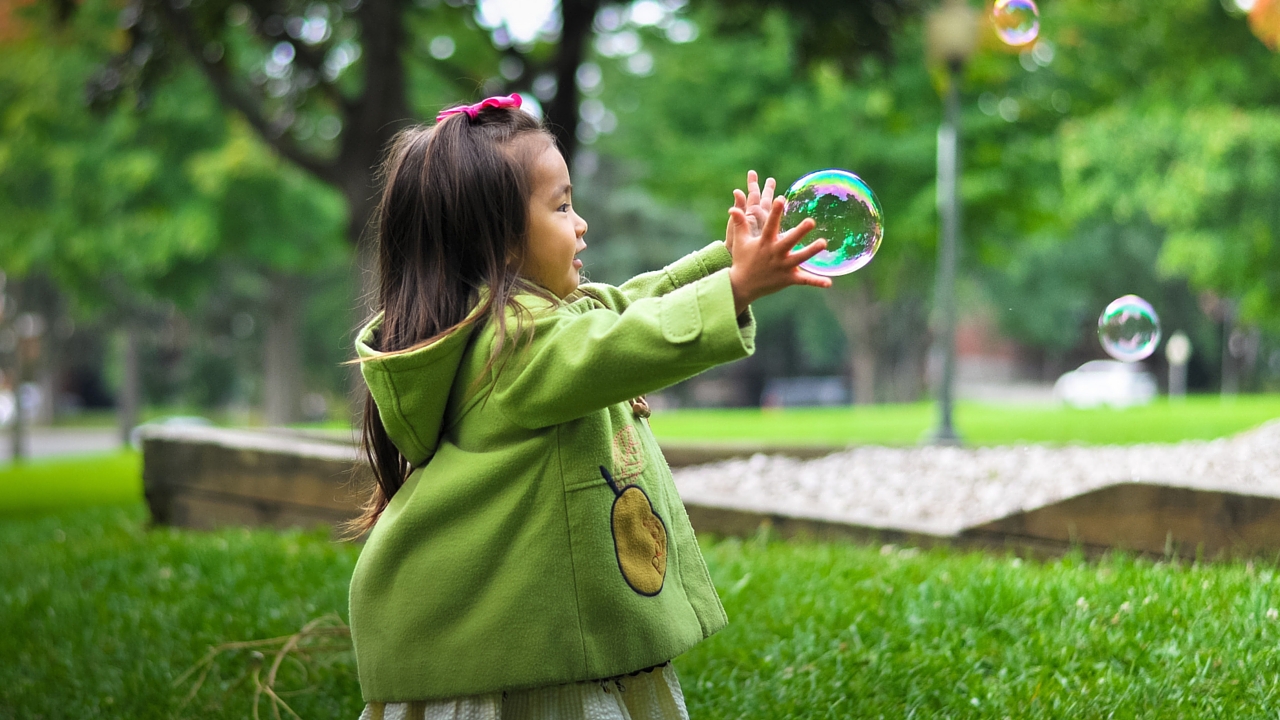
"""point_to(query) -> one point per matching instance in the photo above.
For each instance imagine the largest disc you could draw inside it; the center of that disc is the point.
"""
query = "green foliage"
(1171, 135)
(267, 213)
(139, 199)
(1186, 53)
(102, 202)
(629, 230)
(1128, 153)
(1198, 418)
(1136, 150)
(1050, 291)
(1210, 176)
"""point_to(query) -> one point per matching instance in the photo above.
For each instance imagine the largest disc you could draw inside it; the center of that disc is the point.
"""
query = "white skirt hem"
(650, 695)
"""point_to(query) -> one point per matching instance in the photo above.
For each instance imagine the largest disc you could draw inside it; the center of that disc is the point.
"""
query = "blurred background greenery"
(184, 184)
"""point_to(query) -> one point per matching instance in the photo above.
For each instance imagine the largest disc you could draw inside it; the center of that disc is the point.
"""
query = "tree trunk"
(282, 360)
(52, 350)
(576, 17)
(129, 399)
(910, 346)
(47, 376)
(17, 433)
(857, 312)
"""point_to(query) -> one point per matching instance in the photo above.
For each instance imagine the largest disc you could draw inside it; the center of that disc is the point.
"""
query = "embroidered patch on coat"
(639, 538)
(628, 455)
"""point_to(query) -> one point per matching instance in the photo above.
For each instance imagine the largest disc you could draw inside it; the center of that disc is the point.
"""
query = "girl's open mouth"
(577, 264)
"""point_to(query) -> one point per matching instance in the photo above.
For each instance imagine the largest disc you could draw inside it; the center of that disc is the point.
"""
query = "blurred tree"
(1210, 176)
(1167, 157)
(127, 205)
(327, 84)
(837, 31)
(106, 215)
(1094, 149)
(271, 217)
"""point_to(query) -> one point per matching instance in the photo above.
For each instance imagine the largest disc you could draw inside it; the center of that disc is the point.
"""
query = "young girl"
(528, 556)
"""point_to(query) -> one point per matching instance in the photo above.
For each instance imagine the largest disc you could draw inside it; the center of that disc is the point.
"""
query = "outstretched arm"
(688, 269)
(755, 202)
(580, 360)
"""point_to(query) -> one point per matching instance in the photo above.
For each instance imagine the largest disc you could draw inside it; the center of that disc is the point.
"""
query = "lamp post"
(951, 39)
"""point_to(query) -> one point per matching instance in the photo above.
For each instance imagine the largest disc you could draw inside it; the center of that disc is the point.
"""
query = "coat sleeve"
(690, 268)
(582, 360)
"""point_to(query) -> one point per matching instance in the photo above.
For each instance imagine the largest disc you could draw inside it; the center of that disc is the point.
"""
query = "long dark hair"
(451, 221)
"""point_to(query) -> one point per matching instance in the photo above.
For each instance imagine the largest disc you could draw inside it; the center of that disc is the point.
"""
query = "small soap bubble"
(1129, 329)
(1017, 21)
(848, 217)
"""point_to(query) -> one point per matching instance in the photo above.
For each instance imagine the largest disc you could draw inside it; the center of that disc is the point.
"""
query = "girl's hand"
(763, 262)
(755, 203)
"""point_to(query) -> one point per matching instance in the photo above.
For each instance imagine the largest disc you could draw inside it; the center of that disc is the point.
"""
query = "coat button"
(640, 407)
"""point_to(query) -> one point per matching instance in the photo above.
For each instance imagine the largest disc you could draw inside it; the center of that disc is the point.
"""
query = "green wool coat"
(540, 539)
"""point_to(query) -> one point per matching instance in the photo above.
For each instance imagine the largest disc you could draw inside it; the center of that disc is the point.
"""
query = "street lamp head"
(951, 35)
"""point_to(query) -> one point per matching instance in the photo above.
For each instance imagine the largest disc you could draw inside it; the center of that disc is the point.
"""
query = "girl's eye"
(564, 208)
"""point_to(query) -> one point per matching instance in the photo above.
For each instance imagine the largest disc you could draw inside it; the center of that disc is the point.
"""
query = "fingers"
(737, 218)
(796, 234)
(807, 252)
(804, 277)
(775, 220)
(739, 199)
(757, 195)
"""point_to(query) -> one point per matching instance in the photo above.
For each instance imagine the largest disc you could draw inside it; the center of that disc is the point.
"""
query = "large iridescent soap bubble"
(848, 217)
(1129, 329)
(1017, 21)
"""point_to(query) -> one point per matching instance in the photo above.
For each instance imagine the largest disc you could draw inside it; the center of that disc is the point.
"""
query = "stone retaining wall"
(203, 477)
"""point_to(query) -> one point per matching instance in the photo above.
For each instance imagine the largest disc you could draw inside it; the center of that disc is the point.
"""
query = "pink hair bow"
(498, 101)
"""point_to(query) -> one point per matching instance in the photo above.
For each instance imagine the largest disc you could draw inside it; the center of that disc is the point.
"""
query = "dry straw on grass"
(325, 634)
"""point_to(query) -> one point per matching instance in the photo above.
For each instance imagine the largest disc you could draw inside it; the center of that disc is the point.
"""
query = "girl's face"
(555, 230)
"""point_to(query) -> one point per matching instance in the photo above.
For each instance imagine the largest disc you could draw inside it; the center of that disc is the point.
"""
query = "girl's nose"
(582, 226)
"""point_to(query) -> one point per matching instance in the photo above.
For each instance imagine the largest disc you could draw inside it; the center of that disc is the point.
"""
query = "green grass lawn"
(1197, 418)
(56, 483)
(99, 614)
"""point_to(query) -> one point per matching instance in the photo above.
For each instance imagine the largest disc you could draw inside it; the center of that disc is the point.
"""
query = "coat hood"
(411, 389)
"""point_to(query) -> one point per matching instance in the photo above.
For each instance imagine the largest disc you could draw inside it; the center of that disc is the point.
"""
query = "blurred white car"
(29, 394)
(1106, 382)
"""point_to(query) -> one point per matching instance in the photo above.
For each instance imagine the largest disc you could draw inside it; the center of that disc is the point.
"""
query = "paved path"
(43, 442)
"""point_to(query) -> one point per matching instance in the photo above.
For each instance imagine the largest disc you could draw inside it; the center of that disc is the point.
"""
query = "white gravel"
(940, 491)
